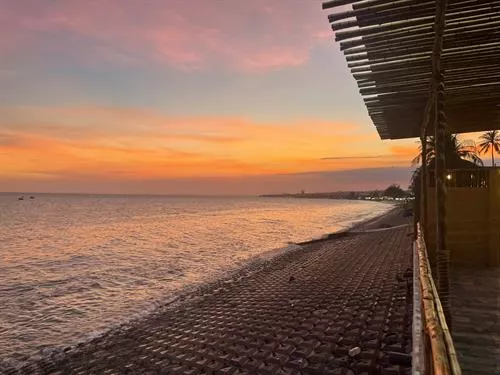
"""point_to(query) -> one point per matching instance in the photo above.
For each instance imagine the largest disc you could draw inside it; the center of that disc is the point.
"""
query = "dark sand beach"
(338, 306)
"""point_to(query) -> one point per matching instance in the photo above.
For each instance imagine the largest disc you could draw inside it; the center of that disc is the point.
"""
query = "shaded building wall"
(494, 254)
(473, 222)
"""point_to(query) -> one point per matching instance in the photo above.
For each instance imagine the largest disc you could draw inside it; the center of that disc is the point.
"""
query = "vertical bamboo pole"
(424, 208)
(442, 252)
(440, 134)
(423, 183)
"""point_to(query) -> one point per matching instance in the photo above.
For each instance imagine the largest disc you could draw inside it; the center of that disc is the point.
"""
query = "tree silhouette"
(394, 191)
(490, 140)
(455, 150)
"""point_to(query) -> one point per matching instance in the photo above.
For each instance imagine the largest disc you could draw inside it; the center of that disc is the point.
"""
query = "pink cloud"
(241, 35)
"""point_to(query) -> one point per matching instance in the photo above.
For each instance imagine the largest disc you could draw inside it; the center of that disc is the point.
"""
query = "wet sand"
(338, 306)
(392, 218)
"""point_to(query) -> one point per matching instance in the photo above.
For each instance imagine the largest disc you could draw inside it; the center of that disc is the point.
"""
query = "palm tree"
(455, 150)
(490, 139)
(458, 154)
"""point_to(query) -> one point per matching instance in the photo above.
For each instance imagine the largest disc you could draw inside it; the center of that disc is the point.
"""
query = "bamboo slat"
(388, 44)
(431, 322)
(443, 353)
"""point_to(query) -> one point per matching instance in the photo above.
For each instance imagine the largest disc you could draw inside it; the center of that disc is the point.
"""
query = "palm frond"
(484, 147)
(416, 160)
(455, 147)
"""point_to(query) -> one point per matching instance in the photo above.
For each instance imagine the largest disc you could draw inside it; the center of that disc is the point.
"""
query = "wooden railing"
(433, 349)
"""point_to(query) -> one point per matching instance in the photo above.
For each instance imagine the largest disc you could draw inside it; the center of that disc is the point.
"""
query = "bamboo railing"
(436, 344)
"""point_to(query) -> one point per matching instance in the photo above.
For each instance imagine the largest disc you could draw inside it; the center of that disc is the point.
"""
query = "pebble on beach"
(354, 351)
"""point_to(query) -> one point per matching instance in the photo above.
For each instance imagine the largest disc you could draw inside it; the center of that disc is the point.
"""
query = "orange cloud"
(251, 36)
(405, 150)
(135, 143)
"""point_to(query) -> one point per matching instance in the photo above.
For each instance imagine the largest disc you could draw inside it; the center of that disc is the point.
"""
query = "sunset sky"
(194, 97)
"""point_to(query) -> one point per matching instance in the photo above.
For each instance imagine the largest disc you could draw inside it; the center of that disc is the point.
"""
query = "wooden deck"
(476, 319)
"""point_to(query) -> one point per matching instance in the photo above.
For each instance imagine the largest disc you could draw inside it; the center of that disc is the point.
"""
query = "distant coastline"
(332, 195)
(348, 195)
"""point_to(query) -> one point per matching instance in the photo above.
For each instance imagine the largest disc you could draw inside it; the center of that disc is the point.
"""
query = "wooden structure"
(388, 45)
(425, 67)
(442, 356)
(473, 216)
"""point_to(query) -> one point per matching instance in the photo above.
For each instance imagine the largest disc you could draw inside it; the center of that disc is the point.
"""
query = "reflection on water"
(73, 265)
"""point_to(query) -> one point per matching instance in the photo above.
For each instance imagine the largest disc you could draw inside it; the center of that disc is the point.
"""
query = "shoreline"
(346, 283)
(193, 293)
(380, 220)
(367, 224)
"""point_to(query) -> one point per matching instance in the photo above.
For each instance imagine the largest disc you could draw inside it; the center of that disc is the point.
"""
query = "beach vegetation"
(394, 191)
(490, 140)
(457, 151)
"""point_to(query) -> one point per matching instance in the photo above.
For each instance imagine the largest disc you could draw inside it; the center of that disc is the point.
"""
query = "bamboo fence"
(441, 354)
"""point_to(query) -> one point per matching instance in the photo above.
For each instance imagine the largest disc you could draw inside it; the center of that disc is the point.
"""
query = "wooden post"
(423, 183)
(443, 259)
(424, 170)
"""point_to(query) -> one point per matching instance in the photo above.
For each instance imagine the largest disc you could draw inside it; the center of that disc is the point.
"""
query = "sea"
(74, 266)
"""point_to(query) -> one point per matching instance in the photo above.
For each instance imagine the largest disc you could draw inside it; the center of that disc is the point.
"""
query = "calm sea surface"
(71, 266)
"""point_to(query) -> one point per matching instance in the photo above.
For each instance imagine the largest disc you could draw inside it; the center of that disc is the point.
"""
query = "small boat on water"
(20, 198)
(32, 197)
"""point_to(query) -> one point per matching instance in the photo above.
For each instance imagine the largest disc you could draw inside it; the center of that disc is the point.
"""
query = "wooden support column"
(442, 251)
(423, 169)
(443, 258)
(423, 183)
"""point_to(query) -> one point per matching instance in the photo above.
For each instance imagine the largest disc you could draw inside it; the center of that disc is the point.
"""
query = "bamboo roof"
(388, 47)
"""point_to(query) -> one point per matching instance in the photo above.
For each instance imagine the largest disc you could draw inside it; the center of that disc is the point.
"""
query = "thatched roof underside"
(388, 47)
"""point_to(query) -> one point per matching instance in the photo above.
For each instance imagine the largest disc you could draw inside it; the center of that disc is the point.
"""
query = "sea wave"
(187, 293)
(63, 285)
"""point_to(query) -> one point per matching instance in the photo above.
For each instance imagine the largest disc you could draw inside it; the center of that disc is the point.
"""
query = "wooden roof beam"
(420, 9)
(389, 37)
(358, 13)
(373, 3)
(401, 26)
(454, 40)
(337, 3)
(341, 16)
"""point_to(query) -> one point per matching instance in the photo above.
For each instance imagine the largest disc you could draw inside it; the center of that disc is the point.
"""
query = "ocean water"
(75, 265)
